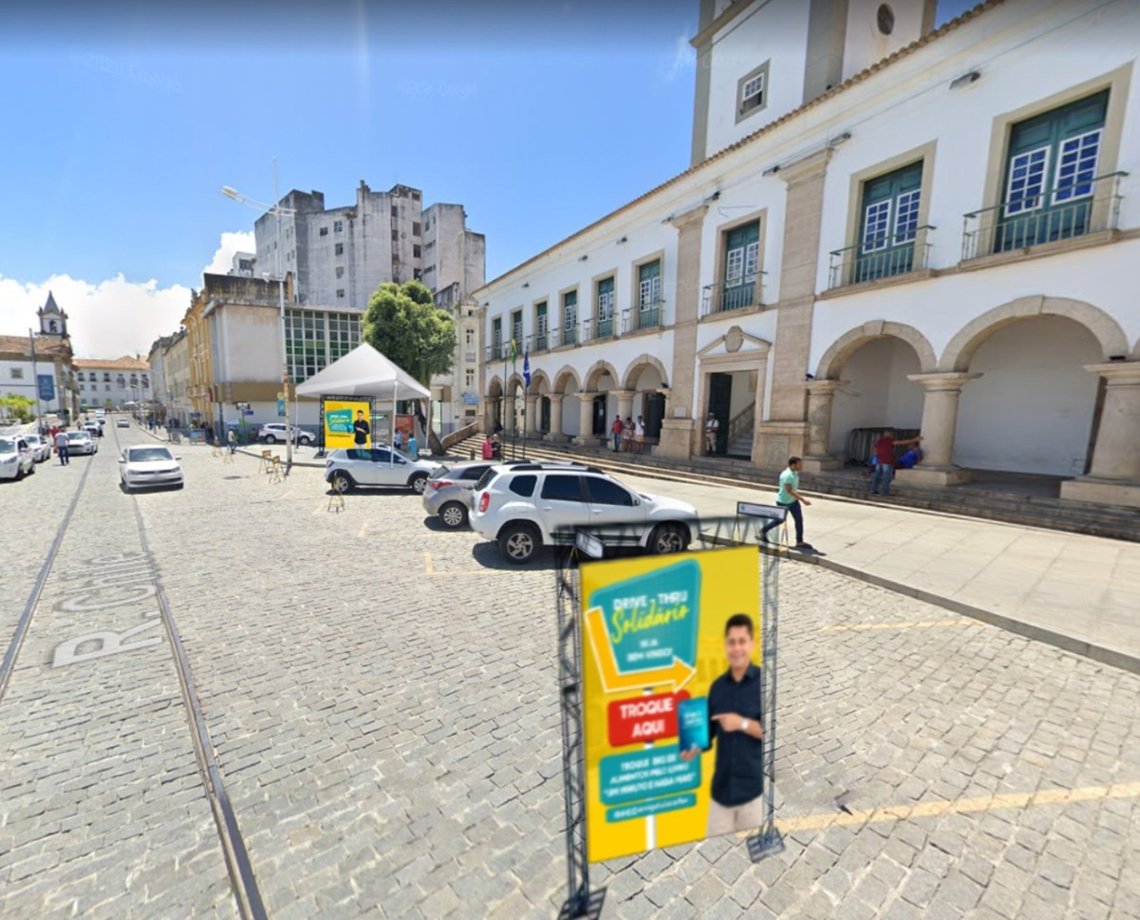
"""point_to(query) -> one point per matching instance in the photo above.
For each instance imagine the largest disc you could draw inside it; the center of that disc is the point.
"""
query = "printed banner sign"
(340, 419)
(671, 690)
(45, 386)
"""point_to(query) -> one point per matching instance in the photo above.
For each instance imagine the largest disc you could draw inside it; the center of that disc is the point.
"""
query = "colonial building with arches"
(884, 224)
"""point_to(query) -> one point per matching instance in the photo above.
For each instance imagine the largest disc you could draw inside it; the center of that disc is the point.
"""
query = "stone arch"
(495, 387)
(565, 376)
(599, 369)
(961, 348)
(637, 364)
(537, 380)
(515, 382)
(831, 364)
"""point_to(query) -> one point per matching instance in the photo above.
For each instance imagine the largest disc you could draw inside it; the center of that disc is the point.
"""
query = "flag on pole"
(526, 367)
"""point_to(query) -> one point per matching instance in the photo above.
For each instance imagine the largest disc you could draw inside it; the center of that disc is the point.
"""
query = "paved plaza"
(381, 696)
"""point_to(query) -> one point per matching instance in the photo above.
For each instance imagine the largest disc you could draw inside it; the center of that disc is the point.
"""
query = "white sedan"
(41, 449)
(149, 466)
(381, 466)
(16, 459)
(81, 442)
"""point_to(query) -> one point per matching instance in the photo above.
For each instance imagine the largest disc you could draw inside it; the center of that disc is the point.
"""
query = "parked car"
(149, 466)
(123, 423)
(94, 429)
(448, 491)
(347, 468)
(16, 460)
(41, 449)
(81, 442)
(527, 506)
(273, 432)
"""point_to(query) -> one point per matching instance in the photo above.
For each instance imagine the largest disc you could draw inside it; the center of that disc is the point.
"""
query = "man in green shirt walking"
(789, 497)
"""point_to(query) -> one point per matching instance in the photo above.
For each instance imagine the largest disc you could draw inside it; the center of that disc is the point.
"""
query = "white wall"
(775, 31)
(876, 392)
(1031, 410)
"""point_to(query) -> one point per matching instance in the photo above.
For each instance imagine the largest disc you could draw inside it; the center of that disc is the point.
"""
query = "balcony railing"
(587, 331)
(644, 316)
(606, 327)
(1066, 212)
(570, 334)
(539, 341)
(908, 252)
(721, 297)
(469, 357)
(498, 352)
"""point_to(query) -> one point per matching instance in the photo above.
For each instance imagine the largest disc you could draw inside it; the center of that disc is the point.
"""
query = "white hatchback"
(16, 459)
(347, 468)
(149, 466)
(272, 432)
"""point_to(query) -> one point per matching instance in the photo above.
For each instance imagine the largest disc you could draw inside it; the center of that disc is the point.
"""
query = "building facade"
(39, 366)
(114, 383)
(884, 225)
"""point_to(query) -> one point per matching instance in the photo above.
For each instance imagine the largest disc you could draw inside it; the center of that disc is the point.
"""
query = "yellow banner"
(671, 699)
(342, 416)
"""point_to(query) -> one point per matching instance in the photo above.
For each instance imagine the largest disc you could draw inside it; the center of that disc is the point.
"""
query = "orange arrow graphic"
(677, 674)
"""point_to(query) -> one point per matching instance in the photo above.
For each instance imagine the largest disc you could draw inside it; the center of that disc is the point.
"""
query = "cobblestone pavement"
(382, 698)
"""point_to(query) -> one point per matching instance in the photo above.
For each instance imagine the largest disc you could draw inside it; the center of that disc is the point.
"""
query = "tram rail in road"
(138, 577)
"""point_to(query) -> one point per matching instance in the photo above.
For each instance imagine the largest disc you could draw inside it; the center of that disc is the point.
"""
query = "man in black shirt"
(360, 430)
(734, 723)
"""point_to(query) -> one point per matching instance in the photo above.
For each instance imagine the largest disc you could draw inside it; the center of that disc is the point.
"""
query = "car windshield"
(7, 447)
(440, 473)
(143, 454)
(77, 436)
(485, 480)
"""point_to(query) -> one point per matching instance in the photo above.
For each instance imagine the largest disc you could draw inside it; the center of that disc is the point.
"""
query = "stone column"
(532, 415)
(1114, 474)
(785, 432)
(939, 419)
(555, 433)
(586, 419)
(821, 395)
(489, 402)
(678, 426)
(625, 404)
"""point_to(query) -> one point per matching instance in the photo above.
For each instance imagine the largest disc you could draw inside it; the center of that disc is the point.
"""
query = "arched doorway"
(564, 400)
(602, 383)
(493, 405)
(1032, 409)
(540, 397)
(875, 394)
(514, 406)
(644, 379)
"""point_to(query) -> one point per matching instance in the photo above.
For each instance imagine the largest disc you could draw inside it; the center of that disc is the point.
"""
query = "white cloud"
(682, 61)
(113, 317)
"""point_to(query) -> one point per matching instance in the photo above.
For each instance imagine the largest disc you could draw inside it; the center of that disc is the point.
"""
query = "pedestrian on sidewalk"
(62, 447)
(627, 434)
(398, 440)
(488, 448)
(616, 430)
(885, 459)
(712, 428)
(231, 439)
(789, 497)
(639, 434)
(413, 447)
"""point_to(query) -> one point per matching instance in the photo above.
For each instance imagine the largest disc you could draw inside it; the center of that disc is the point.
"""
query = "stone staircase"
(976, 501)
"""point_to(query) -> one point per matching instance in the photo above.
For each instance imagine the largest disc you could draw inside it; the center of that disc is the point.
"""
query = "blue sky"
(537, 117)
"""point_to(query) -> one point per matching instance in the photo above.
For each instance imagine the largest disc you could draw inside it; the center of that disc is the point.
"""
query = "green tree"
(403, 323)
(19, 407)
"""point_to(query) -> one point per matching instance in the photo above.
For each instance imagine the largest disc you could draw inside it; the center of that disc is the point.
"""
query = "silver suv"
(524, 507)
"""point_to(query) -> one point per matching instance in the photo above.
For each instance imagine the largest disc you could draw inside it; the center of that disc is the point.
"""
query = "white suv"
(524, 507)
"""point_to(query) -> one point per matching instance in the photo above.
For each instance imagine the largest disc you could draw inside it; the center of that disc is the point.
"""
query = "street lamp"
(277, 211)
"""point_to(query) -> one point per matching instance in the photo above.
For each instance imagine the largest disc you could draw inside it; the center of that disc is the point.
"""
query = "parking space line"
(1012, 800)
(428, 567)
(915, 624)
(363, 532)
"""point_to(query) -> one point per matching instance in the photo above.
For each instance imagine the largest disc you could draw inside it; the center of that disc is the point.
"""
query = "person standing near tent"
(360, 430)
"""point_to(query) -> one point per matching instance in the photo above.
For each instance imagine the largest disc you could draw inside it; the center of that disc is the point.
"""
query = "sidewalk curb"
(1080, 647)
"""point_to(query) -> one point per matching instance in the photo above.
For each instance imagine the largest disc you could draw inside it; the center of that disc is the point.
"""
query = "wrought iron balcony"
(606, 327)
(587, 331)
(570, 335)
(724, 296)
(645, 316)
(539, 341)
(895, 255)
(1077, 209)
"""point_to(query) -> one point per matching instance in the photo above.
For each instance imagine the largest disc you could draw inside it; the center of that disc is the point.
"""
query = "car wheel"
(453, 515)
(342, 482)
(418, 483)
(668, 538)
(269, 439)
(519, 542)
(305, 442)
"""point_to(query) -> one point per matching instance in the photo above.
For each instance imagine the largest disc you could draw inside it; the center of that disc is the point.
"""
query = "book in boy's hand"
(693, 724)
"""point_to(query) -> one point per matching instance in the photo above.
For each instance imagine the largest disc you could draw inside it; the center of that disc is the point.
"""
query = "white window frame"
(734, 267)
(1009, 207)
(906, 209)
(880, 242)
(1060, 164)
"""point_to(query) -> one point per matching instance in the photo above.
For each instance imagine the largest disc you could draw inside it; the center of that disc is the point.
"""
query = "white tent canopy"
(363, 372)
